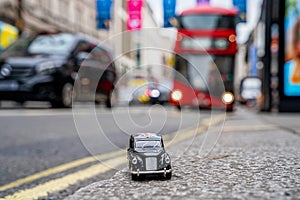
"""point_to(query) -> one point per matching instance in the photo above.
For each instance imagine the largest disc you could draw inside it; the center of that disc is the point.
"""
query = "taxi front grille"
(151, 163)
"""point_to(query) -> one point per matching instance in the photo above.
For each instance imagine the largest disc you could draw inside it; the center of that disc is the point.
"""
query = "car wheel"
(134, 177)
(178, 107)
(65, 99)
(168, 176)
(67, 95)
(110, 100)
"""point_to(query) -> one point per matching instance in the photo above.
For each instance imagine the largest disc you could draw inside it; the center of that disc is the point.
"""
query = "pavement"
(250, 156)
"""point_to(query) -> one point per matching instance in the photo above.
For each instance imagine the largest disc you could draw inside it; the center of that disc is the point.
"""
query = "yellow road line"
(58, 184)
(185, 135)
(59, 168)
(189, 133)
(249, 128)
(44, 189)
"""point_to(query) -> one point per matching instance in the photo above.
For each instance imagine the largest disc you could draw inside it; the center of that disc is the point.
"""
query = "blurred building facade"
(142, 55)
(79, 16)
(144, 52)
(64, 15)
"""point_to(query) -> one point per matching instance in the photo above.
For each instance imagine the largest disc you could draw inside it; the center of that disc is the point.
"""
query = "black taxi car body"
(147, 156)
(44, 67)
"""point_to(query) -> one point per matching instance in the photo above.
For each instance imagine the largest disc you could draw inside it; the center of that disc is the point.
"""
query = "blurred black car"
(146, 156)
(158, 95)
(159, 92)
(45, 67)
(152, 92)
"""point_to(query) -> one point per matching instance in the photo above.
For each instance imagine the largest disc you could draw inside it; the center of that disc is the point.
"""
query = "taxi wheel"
(134, 177)
(168, 176)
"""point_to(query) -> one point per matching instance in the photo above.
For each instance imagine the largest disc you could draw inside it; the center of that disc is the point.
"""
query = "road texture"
(33, 140)
(255, 157)
(43, 155)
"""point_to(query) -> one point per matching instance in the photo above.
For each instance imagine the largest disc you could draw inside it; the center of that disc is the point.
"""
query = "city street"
(256, 157)
(147, 99)
(99, 97)
(249, 155)
(34, 139)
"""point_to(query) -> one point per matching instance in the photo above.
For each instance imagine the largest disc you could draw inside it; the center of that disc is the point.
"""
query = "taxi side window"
(131, 143)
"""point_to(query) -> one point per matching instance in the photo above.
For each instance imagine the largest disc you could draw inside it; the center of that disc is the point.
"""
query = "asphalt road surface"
(35, 138)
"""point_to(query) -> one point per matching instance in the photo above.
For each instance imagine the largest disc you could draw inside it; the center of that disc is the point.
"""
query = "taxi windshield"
(147, 145)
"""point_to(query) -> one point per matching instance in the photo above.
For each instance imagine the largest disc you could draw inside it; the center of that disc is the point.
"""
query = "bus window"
(207, 21)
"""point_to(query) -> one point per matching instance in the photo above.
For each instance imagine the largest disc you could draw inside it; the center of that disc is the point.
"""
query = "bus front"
(205, 58)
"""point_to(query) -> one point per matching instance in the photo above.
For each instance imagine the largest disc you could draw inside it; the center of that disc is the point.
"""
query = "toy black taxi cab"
(147, 156)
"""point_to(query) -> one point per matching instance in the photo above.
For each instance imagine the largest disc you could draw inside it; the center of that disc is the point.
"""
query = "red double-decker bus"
(205, 51)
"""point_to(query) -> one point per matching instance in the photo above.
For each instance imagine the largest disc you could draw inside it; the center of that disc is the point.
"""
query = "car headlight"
(176, 95)
(45, 67)
(227, 97)
(134, 160)
(137, 159)
(154, 93)
(167, 159)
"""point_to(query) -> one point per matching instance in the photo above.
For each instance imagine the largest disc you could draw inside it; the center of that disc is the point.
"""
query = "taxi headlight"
(134, 160)
(167, 159)
(227, 98)
(176, 95)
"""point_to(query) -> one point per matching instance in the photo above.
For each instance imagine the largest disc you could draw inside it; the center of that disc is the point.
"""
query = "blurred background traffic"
(133, 50)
